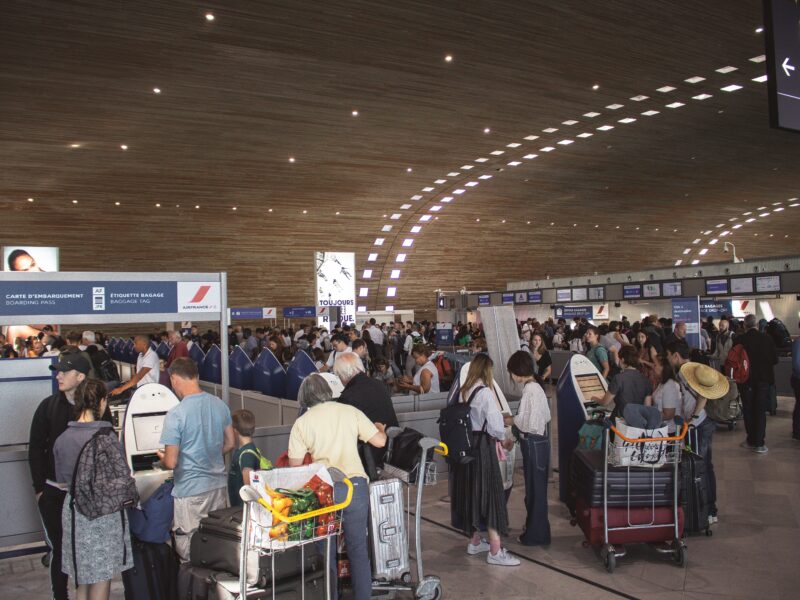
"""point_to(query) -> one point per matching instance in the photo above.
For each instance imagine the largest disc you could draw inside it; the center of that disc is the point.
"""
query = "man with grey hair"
(330, 432)
(755, 392)
(365, 393)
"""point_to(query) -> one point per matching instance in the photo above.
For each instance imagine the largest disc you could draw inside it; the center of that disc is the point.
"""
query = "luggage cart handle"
(442, 449)
(314, 513)
(655, 439)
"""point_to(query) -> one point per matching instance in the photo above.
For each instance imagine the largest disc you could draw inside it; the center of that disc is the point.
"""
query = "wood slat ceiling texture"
(266, 81)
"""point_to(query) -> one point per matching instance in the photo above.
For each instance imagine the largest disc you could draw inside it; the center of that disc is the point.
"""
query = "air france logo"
(199, 297)
(202, 292)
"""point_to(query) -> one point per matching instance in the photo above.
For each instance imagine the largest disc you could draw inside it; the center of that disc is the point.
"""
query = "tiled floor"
(753, 553)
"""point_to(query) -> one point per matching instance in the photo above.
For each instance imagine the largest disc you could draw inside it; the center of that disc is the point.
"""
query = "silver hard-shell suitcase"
(388, 535)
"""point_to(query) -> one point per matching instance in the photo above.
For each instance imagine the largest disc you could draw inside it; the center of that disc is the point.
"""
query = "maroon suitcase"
(590, 520)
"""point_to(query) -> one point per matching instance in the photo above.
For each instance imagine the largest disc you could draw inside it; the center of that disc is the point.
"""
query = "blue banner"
(508, 297)
(247, 313)
(715, 308)
(687, 310)
(570, 312)
(299, 312)
(535, 297)
(483, 300)
(22, 298)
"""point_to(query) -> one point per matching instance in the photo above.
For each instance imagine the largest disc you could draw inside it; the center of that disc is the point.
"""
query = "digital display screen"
(563, 295)
(768, 284)
(632, 291)
(783, 62)
(483, 300)
(716, 286)
(673, 288)
(30, 259)
(535, 297)
(579, 294)
(651, 290)
(520, 297)
(597, 293)
(147, 431)
(742, 285)
(508, 298)
(591, 387)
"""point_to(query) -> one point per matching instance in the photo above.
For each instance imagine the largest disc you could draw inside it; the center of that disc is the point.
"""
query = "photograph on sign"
(766, 284)
(564, 295)
(672, 288)
(579, 294)
(632, 291)
(597, 293)
(651, 290)
(741, 285)
(30, 259)
(336, 282)
(716, 286)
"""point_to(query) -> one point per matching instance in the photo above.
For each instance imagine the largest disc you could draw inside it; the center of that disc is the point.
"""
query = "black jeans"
(51, 504)
(536, 464)
(755, 400)
(796, 413)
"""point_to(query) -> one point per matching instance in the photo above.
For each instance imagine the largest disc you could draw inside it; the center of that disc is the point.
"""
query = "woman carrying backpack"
(101, 547)
(478, 496)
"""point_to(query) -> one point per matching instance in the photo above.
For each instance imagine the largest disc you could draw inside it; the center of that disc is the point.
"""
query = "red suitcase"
(590, 520)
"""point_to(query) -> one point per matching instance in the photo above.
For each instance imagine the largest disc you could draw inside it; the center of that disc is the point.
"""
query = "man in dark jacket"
(755, 393)
(49, 421)
(365, 393)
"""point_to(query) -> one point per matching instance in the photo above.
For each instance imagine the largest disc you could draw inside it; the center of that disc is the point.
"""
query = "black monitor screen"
(781, 18)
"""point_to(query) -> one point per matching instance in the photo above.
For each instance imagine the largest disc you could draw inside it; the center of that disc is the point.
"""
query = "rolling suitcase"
(590, 520)
(215, 545)
(196, 583)
(154, 575)
(227, 588)
(387, 528)
(694, 492)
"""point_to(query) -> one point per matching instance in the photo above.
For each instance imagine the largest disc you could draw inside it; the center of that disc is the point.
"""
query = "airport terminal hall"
(413, 300)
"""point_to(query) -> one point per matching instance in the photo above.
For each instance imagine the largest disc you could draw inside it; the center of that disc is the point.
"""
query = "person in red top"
(180, 349)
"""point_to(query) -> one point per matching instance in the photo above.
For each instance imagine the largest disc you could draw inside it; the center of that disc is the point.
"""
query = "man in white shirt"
(375, 333)
(339, 343)
(147, 366)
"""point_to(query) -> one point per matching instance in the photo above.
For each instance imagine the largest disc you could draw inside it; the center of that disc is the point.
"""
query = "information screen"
(535, 297)
(147, 431)
(590, 387)
(579, 294)
(768, 284)
(673, 288)
(652, 290)
(508, 297)
(783, 62)
(741, 285)
(564, 295)
(632, 291)
(716, 286)
(597, 293)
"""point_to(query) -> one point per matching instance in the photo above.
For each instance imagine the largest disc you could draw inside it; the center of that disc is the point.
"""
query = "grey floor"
(753, 553)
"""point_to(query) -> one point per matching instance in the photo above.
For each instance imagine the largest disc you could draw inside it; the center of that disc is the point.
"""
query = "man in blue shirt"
(197, 434)
(796, 388)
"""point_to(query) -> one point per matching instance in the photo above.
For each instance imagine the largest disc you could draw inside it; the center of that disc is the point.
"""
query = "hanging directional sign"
(783, 59)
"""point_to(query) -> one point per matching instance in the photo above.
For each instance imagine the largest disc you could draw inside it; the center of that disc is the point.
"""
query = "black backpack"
(455, 430)
(779, 334)
(104, 367)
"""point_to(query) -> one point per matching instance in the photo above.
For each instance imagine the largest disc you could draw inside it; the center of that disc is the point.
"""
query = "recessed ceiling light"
(477, 220)
(725, 70)
(574, 224)
(595, 87)
(395, 274)
(198, 206)
(503, 221)
(585, 135)
(407, 243)
(596, 226)
(379, 241)
(550, 130)
(448, 58)
(291, 159)
(551, 224)
(459, 191)
(696, 261)
(639, 98)
(513, 145)
(467, 167)
(627, 120)
(416, 197)
(605, 128)
(436, 208)
(409, 170)
(471, 184)
(650, 113)
(372, 257)
(565, 142)
(396, 216)
(737, 226)
(74, 145)
(759, 29)
(487, 130)
(687, 250)
(497, 152)
(447, 199)
(703, 252)
(416, 229)
(758, 59)
(440, 181)
(30, 199)
(731, 88)
(678, 263)
(530, 138)
(614, 106)
(425, 218)
(270, 210)
(750, 220)
(527, 222)
(701, 97)
(354, 113)
(156, 90)
(157, 204)
(665, 89)
(367, 273)
(528, 157)
(116, 203)
(210, 17)
(481, 160)
(453, 174)
(123, 147)
(234, 208)
(400, 258)
(514, 163)
(485, 177)
(427, 189)
(405, 206)
(305, 212)
(760, 79)
(177, 206)
(591, 115)
(675, 104)
(712, 242)
(547, 149)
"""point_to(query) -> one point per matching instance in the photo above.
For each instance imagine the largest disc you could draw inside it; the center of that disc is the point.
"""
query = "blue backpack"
(152, 521)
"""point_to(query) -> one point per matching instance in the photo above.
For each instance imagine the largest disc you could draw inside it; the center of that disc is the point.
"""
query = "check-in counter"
(19, 517)
(560, 360)
(783, 376)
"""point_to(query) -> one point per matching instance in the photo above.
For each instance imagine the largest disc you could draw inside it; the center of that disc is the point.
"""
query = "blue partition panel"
(301, 367)
(163, 350)
(269, 376)
(112, 348)
(211, 369)
(129, 353)
(197, 355)
(240, 370)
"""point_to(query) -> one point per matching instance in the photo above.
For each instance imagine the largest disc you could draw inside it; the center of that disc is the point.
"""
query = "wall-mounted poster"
(336, 284)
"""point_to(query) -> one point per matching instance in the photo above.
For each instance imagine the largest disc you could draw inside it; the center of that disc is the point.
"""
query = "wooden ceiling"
(268, 81)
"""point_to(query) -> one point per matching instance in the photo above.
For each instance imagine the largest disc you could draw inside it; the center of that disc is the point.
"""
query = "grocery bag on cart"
(292, 492)
(638, 452)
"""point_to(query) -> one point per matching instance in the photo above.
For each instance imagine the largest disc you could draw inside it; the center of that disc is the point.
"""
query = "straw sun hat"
(705, 381)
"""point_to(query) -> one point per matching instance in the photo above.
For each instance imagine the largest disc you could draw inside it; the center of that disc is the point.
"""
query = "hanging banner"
(336, 284)
(687, 310)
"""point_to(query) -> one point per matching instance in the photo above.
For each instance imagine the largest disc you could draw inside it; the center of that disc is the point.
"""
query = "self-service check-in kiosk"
(578, 391)
(144, 422)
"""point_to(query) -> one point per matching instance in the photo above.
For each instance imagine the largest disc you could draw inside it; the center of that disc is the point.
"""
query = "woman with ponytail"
(102, 546)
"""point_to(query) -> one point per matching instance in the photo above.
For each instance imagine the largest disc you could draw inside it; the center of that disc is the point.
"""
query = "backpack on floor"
(737, 364)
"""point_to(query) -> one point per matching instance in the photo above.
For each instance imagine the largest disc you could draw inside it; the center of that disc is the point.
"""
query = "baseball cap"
(72, 362)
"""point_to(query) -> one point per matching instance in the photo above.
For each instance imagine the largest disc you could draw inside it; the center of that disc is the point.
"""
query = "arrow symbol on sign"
(787, 67)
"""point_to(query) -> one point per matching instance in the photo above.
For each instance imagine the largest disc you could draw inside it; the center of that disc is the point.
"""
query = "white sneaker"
(713, 519)
(503, 558)
(760, 449)
(482, 546)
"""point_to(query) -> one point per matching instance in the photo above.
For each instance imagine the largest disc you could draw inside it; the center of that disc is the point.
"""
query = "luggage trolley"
(331, 528)
(426, 587)
(608, 553)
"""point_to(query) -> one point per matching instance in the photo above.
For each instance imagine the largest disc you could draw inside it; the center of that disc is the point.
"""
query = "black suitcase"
(227, 588)
(154, 575)
(196, 583)
(694, 493)
(215, 545)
